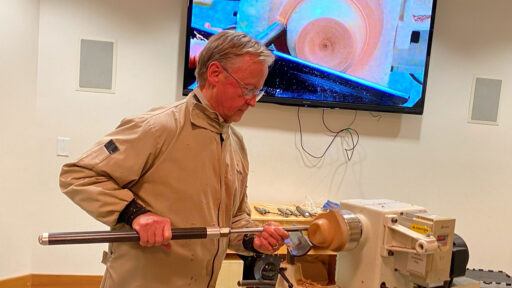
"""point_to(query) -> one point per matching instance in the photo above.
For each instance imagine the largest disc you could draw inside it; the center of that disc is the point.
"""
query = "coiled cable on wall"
(354, 137)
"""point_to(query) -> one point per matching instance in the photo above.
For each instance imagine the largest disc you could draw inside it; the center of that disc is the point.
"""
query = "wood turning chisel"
(90, 237)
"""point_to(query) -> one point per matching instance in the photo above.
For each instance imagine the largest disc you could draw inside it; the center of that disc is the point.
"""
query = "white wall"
(472, 178)
(18, 74)
(437, 160)
(147, 34)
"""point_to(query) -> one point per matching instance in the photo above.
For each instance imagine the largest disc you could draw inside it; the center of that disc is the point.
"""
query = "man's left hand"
(271, 239)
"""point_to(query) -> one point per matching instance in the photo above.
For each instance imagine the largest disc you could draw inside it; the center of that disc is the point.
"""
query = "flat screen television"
(352, 54)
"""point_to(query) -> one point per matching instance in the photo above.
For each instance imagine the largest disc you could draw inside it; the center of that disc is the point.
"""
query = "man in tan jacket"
(182, 165)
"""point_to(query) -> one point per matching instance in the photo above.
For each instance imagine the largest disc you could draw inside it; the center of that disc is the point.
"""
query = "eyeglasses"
(247, 92)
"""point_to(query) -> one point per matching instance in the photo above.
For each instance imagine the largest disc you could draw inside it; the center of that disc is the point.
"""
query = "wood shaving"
(308, 284)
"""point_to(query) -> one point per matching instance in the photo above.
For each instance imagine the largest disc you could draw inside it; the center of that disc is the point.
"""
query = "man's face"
(231, 99)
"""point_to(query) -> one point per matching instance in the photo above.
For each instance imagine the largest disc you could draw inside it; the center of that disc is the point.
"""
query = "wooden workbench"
(319, 264)
(284, 221)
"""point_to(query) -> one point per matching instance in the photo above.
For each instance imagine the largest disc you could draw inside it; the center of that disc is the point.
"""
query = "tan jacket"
(171, 159)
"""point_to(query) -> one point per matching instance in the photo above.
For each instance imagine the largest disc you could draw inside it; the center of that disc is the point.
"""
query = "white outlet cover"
(63, 146)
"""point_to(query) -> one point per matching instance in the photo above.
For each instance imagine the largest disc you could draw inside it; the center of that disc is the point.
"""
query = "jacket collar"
(203, 115)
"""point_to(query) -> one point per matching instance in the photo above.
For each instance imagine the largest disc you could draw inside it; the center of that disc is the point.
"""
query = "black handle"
(91, 237)
(188, 233)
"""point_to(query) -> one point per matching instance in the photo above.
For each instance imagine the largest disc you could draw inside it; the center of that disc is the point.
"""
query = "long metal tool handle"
(90, 237)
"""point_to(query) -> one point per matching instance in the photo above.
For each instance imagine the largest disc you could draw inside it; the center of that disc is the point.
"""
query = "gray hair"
(225, 47)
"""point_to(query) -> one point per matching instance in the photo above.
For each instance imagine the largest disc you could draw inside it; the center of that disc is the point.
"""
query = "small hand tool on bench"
(265, 211)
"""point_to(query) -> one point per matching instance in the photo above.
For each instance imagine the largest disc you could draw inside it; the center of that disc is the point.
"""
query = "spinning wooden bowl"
(334, 231)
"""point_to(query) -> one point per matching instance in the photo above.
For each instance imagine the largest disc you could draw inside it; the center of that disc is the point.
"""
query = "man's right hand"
(153, 230)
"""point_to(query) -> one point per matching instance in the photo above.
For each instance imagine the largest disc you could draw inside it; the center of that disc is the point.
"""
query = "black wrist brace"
(130, 212)
(248, 243)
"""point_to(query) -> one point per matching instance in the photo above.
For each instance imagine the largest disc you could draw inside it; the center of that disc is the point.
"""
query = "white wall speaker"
(97, 66)
(485, 101)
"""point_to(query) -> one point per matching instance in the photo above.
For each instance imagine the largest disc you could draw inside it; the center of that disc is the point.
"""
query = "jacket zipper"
(221, 139)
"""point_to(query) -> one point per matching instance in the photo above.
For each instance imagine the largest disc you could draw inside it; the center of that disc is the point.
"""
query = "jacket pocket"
(106, 257)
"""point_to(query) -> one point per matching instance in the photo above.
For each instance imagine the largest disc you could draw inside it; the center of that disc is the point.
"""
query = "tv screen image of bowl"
(356, 54)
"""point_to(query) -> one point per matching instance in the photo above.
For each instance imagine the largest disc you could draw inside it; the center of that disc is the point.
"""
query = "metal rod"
(260, 229)
(270, 34)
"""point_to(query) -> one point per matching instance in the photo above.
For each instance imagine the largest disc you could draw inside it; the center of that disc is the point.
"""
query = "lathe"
(384, 244)
(402, 246)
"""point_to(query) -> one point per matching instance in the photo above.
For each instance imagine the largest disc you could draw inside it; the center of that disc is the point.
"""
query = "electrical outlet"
(63, 146)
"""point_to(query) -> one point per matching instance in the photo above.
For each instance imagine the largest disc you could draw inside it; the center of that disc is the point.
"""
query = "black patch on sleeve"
(111, 147)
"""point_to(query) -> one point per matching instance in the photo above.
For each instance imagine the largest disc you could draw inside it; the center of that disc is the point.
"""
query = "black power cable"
(352, 132)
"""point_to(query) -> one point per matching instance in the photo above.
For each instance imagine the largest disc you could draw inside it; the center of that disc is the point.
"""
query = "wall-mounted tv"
(353, 54)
